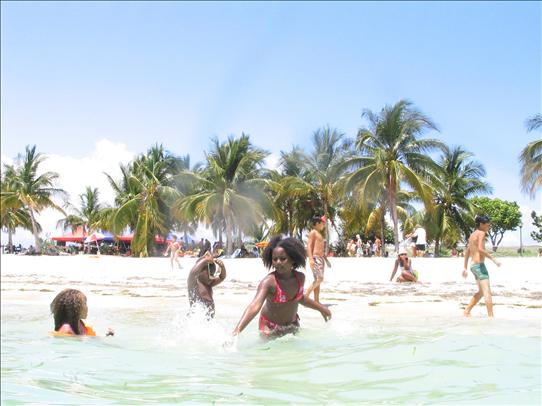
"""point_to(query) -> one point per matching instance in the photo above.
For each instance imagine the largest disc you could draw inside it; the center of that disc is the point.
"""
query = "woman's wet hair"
(293, 247)
(67, 308)
(481, 219)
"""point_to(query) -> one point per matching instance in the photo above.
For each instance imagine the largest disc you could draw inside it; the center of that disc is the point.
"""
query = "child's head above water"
(69, 307)
(293, 248)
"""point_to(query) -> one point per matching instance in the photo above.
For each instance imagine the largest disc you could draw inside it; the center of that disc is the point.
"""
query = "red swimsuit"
(268, 327)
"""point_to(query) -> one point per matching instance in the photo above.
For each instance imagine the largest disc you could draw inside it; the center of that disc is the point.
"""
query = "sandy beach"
(516, 285)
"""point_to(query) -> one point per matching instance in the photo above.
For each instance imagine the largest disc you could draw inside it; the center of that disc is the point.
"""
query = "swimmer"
(69, 309)
(281, 291)
(202, 278)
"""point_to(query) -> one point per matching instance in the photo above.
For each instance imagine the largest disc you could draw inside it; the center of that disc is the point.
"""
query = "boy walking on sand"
(316, 255)
(477, 252)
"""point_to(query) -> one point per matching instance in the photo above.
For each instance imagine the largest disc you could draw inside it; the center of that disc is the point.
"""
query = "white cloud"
(75, 174)
(272, 162)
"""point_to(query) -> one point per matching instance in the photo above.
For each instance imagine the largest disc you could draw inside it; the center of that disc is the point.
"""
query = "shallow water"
(158, 355)
(373, 351)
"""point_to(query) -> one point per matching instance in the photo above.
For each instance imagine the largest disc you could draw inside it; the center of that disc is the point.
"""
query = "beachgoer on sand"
(404, 263)
(174, 248)
(69, 309)
(281, 291)
(316, 255)
(476, 251)
(207, 273)
(419, 238)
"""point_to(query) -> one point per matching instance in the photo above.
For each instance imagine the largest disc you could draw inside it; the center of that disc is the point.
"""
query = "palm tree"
(457, 178)
(87, 216)
(12, 217)
(290, 192)
(325, 166)
(392, 154)
(145, 194)
(531, 159)
(229, 189)
(30, 191)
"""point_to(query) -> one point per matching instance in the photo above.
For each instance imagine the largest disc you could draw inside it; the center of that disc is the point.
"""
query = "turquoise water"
(158, 355)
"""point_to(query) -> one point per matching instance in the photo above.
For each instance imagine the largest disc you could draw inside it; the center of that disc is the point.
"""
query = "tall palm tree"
(229, 189)
(391, 154)
(12, 217)
(87, 216)
(457, 178)
(31, 191)
(531, 159)
(145, 194)
(290, 192)
(325, 166)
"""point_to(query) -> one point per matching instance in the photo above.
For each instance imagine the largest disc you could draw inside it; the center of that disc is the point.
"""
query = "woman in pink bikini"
(281, 291)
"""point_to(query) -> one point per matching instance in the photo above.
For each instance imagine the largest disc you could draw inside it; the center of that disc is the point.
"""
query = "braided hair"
(67, 308)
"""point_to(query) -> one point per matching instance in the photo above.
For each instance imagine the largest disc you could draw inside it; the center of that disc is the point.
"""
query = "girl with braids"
(69, 308)
(281, 291)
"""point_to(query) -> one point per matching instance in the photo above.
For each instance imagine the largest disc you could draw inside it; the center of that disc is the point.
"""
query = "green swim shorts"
(479, 271)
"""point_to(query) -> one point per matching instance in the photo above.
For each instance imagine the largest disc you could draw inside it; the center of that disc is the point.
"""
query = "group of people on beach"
(280, 292)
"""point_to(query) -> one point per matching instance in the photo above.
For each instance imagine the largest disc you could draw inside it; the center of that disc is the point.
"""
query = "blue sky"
(137, 73)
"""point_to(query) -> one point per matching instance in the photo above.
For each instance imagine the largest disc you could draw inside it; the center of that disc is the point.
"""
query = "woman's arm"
(254, 307)
(313, 304)
(394, 269)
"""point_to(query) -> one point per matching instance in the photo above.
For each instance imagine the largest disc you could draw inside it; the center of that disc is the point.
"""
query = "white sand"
(517, 285)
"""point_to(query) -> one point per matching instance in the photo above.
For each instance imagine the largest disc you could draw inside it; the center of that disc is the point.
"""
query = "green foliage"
(392, 154)
(537, 222)
(26, 188)
(504, 215)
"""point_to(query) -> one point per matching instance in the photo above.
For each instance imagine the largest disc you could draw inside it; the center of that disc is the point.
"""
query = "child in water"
(281, 291)
(69, 308)
(407, 273)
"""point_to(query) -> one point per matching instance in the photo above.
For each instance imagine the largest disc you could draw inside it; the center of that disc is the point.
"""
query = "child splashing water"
(69, 309)
(281, 291)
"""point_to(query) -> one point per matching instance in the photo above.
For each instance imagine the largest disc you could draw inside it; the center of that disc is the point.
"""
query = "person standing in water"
(316, 255)
(202, 278)
(281, 291)
(173, 249)
(476, 251)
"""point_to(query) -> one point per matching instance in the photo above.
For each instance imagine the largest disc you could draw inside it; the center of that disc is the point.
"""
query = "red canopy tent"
(157, 238)
(77, 236)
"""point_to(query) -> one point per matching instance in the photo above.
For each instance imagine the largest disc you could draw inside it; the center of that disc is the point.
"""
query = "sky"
(93, 84)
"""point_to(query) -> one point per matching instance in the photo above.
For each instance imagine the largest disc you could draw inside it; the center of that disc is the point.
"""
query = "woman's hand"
(326, 314)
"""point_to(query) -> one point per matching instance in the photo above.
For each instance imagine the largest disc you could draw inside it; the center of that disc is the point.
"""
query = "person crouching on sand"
(202, 278)
(69, 309)
(405, 264)
(281, 291)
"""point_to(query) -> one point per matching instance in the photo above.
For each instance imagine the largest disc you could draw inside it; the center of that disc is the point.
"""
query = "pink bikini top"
(280, 295)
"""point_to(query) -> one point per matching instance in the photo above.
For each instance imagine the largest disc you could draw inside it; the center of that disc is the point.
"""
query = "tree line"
(389, 167)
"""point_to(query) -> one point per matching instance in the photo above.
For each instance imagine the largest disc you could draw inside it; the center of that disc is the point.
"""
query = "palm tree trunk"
(392, 191)
(437, 246)
(326, 246)
(35, 230)
(382, 231)
(10, 240)
(229, 237)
